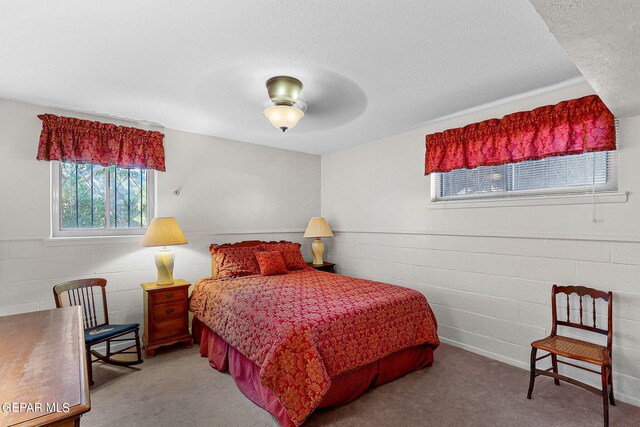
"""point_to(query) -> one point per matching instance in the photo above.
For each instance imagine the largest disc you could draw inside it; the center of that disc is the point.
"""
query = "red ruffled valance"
(570, 127)
(74, 140)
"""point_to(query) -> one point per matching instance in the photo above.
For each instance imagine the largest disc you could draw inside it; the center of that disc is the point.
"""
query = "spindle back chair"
(91, 296)
(571, 348)
(582, 291)
(84, 293)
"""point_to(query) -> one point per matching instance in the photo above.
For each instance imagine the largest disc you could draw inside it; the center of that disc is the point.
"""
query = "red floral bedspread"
(304, 327)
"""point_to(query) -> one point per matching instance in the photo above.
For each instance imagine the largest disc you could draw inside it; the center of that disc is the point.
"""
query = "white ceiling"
(369, 69)
(603, 39)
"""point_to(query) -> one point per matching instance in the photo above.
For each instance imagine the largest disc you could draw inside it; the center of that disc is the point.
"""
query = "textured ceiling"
(602, 37)
(369, 69)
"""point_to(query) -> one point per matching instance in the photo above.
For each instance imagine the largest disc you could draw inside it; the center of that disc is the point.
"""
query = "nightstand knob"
(169, 296)
(170, 310)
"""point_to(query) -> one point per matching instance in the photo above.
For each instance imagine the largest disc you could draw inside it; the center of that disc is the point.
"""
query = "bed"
(306, 339)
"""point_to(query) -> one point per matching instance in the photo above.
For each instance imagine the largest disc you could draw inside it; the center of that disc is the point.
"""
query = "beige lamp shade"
(163, 232)
(318, 227)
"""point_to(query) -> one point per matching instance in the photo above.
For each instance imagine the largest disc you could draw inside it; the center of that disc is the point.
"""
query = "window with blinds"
(578, 173)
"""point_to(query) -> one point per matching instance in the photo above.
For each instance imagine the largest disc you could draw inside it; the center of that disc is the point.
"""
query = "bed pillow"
(271, 263)
(235, 262)
(290, 253)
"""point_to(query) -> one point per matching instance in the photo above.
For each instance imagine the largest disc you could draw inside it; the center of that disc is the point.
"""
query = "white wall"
(230, 191)
(487, 269)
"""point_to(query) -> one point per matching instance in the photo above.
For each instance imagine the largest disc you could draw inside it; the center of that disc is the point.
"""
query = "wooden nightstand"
(166, 315)
(325, 266)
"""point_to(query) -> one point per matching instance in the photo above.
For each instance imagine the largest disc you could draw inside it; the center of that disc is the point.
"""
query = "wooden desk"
(43, 365)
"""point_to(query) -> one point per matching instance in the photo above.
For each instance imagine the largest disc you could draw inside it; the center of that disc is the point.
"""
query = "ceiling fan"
(287, 108)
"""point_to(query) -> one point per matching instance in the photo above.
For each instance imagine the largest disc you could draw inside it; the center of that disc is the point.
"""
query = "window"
(553, 175)
(94, 200)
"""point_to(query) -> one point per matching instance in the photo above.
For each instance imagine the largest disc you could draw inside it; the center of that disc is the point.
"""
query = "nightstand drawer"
(172, 310)
(170, 295)
(170, 328)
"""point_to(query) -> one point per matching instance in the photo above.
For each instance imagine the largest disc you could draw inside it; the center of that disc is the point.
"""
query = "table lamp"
(317, 228)
(164, 232)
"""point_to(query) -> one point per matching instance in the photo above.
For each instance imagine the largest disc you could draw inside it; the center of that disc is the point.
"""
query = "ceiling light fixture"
(284, 92)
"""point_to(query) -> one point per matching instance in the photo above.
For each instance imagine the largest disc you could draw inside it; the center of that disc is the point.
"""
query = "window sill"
(516, 201)
(91, 240)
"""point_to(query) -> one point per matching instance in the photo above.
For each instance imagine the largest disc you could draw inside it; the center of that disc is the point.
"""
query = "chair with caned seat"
(97, 329)
(576, 349)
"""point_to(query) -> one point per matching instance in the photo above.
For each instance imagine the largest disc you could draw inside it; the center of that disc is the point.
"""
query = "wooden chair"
(97, 328)
(571, 348)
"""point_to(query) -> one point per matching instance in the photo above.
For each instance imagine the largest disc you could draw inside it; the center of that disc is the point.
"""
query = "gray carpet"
(178, 388)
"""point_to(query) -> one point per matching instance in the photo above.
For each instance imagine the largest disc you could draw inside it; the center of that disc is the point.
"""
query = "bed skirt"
(344, 388)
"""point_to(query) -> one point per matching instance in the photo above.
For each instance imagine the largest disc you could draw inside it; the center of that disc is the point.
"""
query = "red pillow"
(290, 253)
(271, 263)
(235, 262)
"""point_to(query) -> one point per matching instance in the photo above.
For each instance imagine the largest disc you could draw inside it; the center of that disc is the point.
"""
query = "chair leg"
(605, 395)
(138, 348)
(612, 399)
(532, 377)
(89, 366)
(554, 363)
